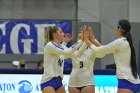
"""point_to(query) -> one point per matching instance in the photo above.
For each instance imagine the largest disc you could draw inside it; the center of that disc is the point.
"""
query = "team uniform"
(122, 54)
(82, 71)
(53, 63)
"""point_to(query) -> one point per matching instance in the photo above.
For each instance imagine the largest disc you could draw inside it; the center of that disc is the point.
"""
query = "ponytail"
(133, 63)
(47, 36)
(49, 31)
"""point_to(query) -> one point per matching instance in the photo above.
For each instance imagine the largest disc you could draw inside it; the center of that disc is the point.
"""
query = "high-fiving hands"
(86, 35)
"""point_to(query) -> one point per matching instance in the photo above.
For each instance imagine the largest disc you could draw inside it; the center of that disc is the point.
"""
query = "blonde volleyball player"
(51, 81)
(125, 58)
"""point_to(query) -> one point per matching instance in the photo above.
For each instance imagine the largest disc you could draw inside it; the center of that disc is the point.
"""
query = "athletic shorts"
(55, 82)
(80, 88)
(125, 84)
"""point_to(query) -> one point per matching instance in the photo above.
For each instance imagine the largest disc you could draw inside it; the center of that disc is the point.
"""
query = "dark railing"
(38, 71)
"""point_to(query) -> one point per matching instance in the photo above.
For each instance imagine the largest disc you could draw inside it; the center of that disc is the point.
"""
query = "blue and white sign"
(26, 37)
(30, 83)
(23, 83)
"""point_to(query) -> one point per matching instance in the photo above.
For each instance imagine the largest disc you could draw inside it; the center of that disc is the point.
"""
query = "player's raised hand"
(85, 32)
(91, 34)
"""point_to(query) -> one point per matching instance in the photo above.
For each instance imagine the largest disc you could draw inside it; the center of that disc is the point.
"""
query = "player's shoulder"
(49, 44)
(53, 45)
(120, 40)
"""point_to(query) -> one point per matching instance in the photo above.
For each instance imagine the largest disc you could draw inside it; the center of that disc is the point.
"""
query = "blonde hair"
(49, 31)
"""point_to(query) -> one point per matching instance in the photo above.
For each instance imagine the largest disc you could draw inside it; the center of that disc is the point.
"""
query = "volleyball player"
(51, 81)
(125, 58)
(82, 77)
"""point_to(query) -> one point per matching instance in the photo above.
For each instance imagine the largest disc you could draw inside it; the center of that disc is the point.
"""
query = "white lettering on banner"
(11, 40)
(27, 45)
(14, 37)
(3, 27)
(40, 35)
(106, 89)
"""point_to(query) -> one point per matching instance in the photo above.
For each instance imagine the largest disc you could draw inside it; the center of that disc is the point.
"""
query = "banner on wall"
(26, 37)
